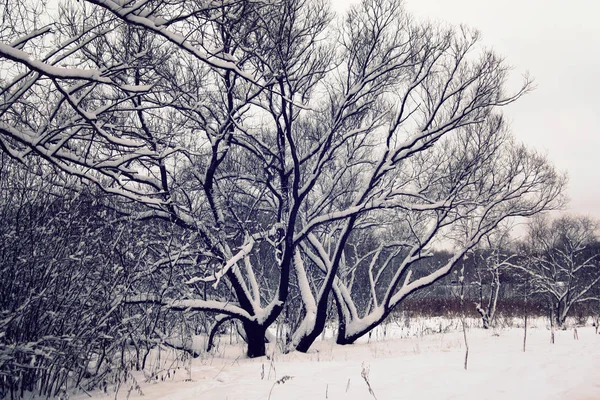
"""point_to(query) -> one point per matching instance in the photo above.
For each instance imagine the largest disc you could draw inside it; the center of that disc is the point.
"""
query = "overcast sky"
(558, 43)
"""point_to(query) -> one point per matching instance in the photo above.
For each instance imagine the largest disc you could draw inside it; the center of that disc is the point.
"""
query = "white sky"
(558, 43)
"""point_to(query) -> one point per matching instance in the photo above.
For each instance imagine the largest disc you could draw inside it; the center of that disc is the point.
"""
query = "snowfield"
(402, 365)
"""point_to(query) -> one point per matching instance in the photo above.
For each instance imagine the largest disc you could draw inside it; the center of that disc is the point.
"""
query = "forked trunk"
(344, 337)
(353, 337)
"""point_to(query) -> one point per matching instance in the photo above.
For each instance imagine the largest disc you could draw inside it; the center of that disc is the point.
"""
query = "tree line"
(556, 264)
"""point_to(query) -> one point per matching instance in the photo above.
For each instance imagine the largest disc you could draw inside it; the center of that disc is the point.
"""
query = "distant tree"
(491, 259)
(562, 262)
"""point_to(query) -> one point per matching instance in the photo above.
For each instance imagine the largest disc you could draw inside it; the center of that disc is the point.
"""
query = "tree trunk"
(351, 338)
(525, 325)
(341, 319)
(318, 327)
(485, 318)
(494, 300)
(214, 330)
(486, 322)
(561, 316)
(552, 322)
(525, 334)
(464, 326)
(255, 336)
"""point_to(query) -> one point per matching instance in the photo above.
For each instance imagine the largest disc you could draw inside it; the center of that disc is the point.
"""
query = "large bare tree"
(273, 137)
(456, 201)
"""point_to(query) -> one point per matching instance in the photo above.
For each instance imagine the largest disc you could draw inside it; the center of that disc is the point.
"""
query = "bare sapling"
(526, 315)
(552, 323)
(461, 280)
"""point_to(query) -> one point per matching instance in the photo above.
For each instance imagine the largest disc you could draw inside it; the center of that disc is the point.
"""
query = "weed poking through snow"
(281, 381)
(365, 375)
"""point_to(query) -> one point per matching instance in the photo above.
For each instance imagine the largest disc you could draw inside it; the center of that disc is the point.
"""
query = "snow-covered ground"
(408, 363)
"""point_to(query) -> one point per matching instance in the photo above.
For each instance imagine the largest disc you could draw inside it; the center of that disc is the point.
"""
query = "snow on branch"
(126, 14)
(192, 305)
(216, 277)
(93, 75)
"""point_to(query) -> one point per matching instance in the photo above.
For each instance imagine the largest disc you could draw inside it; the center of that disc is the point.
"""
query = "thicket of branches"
(254, 160)
(66, 269)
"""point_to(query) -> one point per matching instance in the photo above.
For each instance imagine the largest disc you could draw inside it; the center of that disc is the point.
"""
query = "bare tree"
(465, 211)
(492, 258)
(143, 101)
(563, 262)
(435, 89)
(270, 137)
